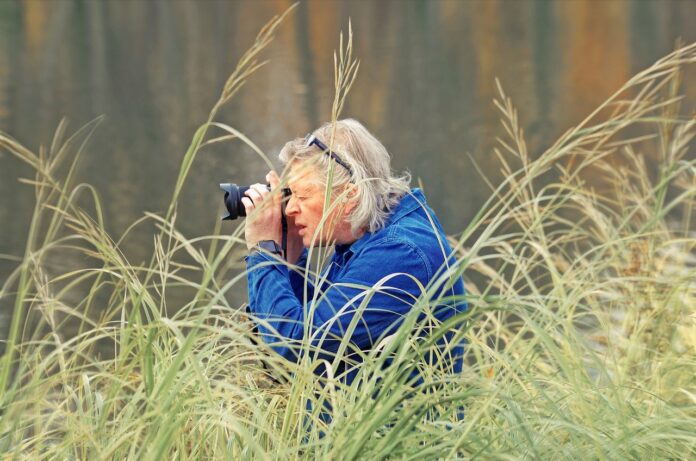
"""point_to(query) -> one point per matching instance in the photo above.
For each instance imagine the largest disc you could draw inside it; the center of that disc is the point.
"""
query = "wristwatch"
(268, 246)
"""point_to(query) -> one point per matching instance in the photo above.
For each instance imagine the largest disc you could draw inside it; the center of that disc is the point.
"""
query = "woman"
(389, 250)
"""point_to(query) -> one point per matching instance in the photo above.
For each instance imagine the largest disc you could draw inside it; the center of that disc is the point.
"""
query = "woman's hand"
(263, 209)
(263, 213)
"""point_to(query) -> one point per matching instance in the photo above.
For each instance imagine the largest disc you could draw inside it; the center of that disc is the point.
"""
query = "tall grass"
(581, 330)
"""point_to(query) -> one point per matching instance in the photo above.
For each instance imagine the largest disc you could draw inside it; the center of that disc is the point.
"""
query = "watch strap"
(268, 246)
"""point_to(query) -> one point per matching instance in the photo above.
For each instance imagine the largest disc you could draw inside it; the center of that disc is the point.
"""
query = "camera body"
(233, 199)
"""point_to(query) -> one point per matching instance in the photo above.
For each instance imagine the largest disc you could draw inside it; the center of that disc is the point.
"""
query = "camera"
(233, 199)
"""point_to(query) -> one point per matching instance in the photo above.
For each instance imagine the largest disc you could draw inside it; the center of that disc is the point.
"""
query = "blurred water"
(425, 87)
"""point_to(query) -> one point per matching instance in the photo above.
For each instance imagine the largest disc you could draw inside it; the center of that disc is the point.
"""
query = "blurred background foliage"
(426, 85)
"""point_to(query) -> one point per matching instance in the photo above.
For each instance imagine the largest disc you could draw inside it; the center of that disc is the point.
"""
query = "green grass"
(581, 333)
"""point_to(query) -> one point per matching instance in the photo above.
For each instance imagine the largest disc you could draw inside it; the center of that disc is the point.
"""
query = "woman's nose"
(291, 208)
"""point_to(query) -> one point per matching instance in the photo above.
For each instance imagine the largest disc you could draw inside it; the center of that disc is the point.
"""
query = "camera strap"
(284, 225)
(284, 237)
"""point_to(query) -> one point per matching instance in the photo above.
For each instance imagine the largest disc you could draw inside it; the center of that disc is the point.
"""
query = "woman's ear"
(351, 198)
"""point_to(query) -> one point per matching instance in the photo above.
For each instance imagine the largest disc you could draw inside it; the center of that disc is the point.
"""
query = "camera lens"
(233, 200)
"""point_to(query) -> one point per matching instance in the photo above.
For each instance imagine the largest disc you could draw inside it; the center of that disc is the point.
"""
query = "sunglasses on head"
(311, 140)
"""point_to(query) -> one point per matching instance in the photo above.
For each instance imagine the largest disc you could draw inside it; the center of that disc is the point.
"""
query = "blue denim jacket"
(411, 245)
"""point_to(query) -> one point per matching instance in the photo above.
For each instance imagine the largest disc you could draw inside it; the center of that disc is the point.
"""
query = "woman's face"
(306, 208)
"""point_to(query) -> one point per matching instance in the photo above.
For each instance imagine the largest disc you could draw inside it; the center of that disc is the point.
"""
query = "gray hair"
(379, 190)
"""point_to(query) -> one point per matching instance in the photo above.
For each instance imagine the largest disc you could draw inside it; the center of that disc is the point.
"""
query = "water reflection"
(425, 87)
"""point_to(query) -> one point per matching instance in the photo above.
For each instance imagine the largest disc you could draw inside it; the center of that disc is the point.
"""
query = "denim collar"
(408, 204)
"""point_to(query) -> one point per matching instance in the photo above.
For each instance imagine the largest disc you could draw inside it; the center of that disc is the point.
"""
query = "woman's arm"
(379, 286)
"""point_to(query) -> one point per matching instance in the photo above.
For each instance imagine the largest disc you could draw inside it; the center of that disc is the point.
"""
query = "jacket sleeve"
(368, 300)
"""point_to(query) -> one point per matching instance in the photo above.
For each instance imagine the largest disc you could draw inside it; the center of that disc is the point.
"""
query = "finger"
(273, 179)
(248, 205)
(262, 189)
(254, 195)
